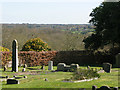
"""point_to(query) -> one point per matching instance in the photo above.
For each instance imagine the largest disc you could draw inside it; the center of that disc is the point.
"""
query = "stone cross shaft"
(15, 56)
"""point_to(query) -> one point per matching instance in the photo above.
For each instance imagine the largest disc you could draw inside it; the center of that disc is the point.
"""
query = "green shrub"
(35, 44)
(3, 49)
(81, 74)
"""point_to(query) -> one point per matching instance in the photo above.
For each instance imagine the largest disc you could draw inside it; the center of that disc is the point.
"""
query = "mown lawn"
(55, 79)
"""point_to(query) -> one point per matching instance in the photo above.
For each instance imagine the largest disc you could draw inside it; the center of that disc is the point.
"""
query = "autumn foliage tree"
(35, 44)
(3, 49)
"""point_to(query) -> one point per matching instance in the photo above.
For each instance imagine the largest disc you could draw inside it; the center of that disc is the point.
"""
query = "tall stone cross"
(15, 56)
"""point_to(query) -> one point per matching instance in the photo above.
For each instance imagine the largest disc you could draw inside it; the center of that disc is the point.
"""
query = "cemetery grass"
(55, 80)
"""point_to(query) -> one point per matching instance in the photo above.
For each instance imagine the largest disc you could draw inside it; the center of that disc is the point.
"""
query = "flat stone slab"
(81, 80)
(12, 81)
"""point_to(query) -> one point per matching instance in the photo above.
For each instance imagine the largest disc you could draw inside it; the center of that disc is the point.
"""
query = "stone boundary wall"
(32, 58)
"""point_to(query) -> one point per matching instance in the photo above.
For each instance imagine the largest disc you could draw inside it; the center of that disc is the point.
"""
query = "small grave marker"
(60, 66)
(12, 81)
(107, 67)
(74, 66)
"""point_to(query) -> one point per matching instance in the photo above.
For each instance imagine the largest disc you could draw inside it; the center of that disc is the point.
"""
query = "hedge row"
(32, 58)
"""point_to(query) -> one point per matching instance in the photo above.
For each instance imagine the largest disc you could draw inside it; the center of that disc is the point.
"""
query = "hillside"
(60, 37)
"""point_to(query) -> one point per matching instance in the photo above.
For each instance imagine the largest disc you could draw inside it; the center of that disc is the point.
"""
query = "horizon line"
(44, 23)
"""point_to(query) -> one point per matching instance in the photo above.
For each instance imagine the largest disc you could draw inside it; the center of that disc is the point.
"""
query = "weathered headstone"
(60, 66)
(50, 65)
(107, 67)
(74, 67)
(117, 63)
(12, 81)
(15, 56)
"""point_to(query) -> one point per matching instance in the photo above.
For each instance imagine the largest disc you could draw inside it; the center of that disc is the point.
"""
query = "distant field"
(60, 37)
(55, 79)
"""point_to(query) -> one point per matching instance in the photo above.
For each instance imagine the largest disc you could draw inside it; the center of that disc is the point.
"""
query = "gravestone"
(74, 67)
(50, 65)
(60, 66)
(12, 81)
(117, 63)
(107, 67)
(15, 56)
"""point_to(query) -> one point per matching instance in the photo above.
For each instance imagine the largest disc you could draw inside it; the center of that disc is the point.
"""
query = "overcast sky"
(47, 11)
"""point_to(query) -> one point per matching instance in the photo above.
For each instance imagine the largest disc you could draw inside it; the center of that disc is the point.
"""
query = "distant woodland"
(60, 37)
